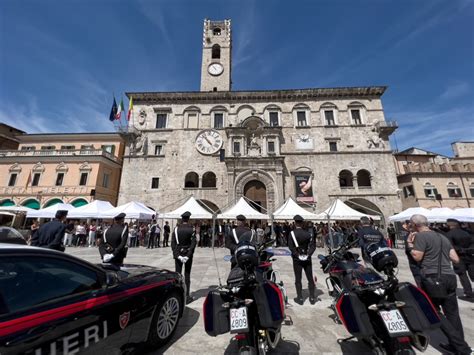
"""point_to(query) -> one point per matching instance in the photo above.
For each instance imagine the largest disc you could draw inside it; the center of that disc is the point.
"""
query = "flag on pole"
(28, 181)
(118, 115)
(113, 111)
(130, 108)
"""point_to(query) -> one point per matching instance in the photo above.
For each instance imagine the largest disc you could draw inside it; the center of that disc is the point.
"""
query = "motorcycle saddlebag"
(270, 304)
(418, 310)
(354, 315)
(216, 318)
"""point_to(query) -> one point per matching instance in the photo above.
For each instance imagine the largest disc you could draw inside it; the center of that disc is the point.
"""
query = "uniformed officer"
(113, 248)
(302, 247)
(51, 235)
(233, 239)
(183, 243)
(463, 243)
(369, 235)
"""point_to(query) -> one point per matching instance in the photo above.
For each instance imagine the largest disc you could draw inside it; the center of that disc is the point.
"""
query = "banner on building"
(304, 188)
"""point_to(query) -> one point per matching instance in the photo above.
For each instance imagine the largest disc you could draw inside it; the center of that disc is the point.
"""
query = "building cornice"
(258, 95)
(48, 137)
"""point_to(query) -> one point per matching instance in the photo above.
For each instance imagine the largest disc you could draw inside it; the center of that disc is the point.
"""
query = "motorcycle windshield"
(367, 277)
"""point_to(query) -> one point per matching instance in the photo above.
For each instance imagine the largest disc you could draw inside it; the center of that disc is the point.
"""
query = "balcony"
(386, 128)
(59, 153)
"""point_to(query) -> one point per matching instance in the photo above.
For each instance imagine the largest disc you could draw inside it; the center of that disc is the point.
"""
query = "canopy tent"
(95, 209)
(242, 207)
(338, 210)
(191, 205)
(406, 214)
(132, 210)
(439, 214)
(16, 209)
(463, 214)
(290, 208)
(49, 212)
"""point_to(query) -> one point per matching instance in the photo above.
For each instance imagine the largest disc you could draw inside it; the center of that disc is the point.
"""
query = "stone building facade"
(217, 144)
(73, 168)
(430, 180)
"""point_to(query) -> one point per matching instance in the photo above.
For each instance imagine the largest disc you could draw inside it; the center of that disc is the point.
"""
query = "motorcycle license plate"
(394, 322)
(238, 320)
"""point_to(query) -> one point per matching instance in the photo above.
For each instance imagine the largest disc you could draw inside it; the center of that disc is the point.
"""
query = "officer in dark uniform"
(183, 243)
(114, 242)
(302, 247)
(463, 243)
(51, 235)
(233, 239)
(369, 235)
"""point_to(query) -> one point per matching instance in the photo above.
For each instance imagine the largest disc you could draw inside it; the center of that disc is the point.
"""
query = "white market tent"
(95, 209)
(439, 214)
(406, 214)
(191, 205)
(338, 210)
(290, 208)
(242, 207)
(50, 212)
(132, 209)
(16, 209)
(463, 214)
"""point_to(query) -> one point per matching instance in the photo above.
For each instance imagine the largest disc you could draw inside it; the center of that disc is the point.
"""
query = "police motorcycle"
(251, 305)
(389, 316)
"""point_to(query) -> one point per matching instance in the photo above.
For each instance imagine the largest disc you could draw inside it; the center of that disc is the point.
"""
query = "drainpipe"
(465, 192)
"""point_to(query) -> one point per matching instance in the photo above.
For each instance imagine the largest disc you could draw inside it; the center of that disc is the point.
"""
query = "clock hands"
(207, 140)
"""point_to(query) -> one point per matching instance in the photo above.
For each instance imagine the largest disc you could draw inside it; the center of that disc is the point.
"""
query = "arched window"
(430, 190)
(209, 179)
(453, 190)
(345, 179)
(216, 51)
(363, 178)
(216, 31)
(191, 180)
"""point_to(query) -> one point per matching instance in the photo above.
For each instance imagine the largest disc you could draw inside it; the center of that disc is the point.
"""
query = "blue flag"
(113, 111)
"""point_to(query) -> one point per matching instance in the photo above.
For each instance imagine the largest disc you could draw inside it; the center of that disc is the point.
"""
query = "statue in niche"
(375, 141)
(254, 147)
(140, 145)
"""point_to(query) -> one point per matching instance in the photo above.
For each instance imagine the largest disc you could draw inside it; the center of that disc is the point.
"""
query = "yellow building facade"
(71, 168)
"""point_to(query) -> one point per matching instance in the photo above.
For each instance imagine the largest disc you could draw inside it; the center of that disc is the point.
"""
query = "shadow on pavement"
(189, 319)
(284, 347)
(353, 347)
(202, 292)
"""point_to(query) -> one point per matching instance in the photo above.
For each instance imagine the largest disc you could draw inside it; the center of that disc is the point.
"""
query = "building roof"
(288, 94)
(19, 131)
(67, 136)
(418, 151)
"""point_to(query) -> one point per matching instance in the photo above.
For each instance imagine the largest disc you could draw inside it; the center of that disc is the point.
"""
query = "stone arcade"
(218, 144)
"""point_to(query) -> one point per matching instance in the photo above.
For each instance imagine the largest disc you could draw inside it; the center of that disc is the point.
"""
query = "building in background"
(8, 135)
(429, 180)
(218, 145)
(73, 168)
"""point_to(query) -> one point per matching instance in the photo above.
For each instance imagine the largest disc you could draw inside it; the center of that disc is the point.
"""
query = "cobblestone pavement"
(313, 331)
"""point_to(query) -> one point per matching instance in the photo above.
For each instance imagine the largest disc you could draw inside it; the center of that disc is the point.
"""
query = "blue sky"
(60, 61)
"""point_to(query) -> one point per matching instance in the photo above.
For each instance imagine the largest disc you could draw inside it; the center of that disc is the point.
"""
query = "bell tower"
(216, 56)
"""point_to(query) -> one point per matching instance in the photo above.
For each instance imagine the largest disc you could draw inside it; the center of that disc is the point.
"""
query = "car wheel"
(165, 321)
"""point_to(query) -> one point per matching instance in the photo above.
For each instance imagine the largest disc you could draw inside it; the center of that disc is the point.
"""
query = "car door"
(49, 304)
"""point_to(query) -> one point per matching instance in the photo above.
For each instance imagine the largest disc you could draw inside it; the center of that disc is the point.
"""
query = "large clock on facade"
(208, 142)
(215, 69)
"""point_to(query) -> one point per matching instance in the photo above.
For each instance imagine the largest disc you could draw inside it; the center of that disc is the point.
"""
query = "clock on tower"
(216, 56)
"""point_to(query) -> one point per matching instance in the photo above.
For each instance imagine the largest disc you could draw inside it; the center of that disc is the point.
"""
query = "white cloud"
(455, 90)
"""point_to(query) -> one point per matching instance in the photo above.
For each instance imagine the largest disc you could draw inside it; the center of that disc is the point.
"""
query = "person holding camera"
(302, 247)
(183, 243)
(435, 253)
(113, 248)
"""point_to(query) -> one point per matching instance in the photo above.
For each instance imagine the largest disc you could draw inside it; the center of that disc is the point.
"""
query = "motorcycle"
(251, 305)
(391, 317)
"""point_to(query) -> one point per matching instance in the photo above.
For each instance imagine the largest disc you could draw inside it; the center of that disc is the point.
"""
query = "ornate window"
(329, 114)
(301, 115)
(430, 190)
(453, 190)
(191, 180)
(346, 179)
(209, 179)
(356, 112)
(363, 178)
(15, 171)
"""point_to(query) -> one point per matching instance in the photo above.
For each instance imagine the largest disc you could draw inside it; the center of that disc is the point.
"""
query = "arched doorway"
(256, 192)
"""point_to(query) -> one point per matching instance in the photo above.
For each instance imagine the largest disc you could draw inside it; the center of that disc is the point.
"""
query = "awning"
(32, 204)
(6, 203)
(79, 202)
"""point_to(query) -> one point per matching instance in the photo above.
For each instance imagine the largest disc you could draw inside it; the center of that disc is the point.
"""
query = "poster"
(304, 188)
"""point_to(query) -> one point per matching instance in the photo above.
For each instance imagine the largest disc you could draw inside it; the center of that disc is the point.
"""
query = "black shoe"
(299, 300)
(189, 299)
(312, 300)
(448, 347)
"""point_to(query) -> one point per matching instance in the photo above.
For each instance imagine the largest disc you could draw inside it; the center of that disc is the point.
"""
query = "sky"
(61, 61)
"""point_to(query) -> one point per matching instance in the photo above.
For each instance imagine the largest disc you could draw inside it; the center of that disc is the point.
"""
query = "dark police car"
(54, 303)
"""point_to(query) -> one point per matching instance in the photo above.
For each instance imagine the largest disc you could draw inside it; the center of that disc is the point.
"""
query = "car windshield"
(9, 233)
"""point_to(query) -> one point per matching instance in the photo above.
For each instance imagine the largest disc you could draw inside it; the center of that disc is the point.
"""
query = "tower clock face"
(208, 142)
(215, 69)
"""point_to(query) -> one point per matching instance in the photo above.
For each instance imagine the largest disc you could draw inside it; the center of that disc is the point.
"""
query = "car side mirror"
(111, 279)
